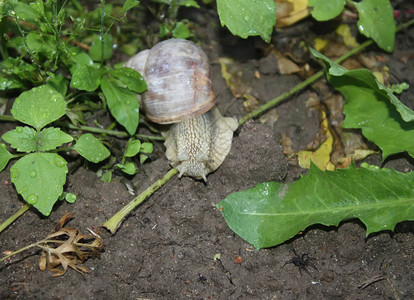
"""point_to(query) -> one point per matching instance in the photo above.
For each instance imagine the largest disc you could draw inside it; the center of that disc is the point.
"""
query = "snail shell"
(179, 91)
(177, 75)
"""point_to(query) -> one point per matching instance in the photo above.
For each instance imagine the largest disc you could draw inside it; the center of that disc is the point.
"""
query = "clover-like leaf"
(39, 178)
(91, 148)
(39, 106)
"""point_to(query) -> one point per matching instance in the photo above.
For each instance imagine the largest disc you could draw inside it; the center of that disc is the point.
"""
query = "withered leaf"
(66, 247)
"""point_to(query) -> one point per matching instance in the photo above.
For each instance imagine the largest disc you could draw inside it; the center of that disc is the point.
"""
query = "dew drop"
(33, 174)
(60, 162)
(246, 18)
(31, 199)
(23, 190)
(19, 129)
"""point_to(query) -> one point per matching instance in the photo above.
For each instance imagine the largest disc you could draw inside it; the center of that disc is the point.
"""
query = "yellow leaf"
(321, 156)
(289, 12)
(344, 31)
(319, 44)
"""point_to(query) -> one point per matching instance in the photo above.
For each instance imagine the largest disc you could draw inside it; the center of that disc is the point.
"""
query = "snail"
(180, 93)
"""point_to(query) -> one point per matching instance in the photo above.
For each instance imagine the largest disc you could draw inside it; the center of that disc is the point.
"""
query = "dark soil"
(165, 248)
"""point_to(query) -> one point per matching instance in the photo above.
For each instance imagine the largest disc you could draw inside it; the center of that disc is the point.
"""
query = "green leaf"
(325, 10)
(376, 21)
(23, 139)
(122, 103)
(51, 138)
(147, 147)
(39, 178)
(248, 18)
(58, 83)
(5, 156)
(24, 12)
(187, 3)
(129, 4)
(181, 31)
(370, 106)
(85, 77)
(39, 106)
(130, 78)
(128, 168)
(133, 148)
(43, 44)
(107, 176)
(272, 212)
(82, 59)
(69, 197)
(366, 78)
(101, 48)
(9, 83)
(91, 148)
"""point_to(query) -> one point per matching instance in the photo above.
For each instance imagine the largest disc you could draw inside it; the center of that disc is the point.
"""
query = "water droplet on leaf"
(19, 129)
(33, 174)
(31, 199)
(60, 162)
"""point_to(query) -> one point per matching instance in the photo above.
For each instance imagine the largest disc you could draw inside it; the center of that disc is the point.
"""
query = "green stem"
(13, 218)
(18, 251)
(115, 221)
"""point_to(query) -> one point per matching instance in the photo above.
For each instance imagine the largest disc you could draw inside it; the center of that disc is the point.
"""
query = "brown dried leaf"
(66, 247)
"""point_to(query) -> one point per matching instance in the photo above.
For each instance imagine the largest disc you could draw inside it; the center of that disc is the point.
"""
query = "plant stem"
(13, 218)
(18, 251)
(115, 221)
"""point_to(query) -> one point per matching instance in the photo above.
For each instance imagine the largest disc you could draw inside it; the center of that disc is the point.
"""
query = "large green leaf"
(272, 212)
(39, 106)
(39, 178)
(248, 17)
(91, 148)
(325, 10)
(122, 103)
(376, 21)
(371, 107)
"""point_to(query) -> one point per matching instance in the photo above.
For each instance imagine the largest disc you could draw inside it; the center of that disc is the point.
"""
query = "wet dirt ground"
(166, 248)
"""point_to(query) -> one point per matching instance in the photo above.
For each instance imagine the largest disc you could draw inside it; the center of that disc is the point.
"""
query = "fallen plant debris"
(66, 247)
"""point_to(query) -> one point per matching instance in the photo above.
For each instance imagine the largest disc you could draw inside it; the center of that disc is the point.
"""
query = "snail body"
(180, 93)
